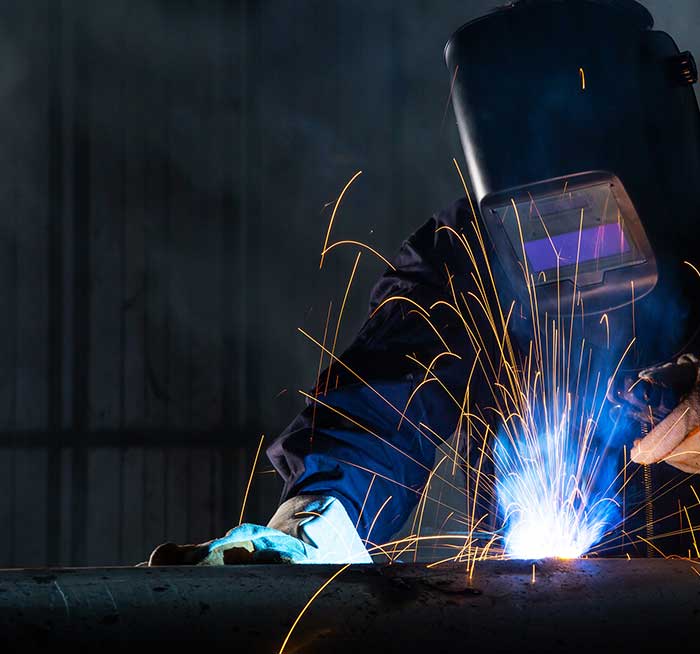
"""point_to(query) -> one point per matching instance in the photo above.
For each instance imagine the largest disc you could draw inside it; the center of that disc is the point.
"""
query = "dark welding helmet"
(582, 118)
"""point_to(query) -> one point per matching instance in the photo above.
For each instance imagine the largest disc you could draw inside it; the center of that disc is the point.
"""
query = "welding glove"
(676, 438)
(304, 529)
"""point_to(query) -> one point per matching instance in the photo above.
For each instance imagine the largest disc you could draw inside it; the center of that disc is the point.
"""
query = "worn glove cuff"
(322, 523)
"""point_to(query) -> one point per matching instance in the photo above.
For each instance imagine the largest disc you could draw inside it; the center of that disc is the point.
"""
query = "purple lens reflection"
(596, 243)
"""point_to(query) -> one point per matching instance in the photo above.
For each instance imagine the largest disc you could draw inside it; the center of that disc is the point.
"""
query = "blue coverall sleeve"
(353, 436)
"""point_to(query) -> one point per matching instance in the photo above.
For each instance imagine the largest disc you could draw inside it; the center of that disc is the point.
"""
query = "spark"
(317, 386)
(533, 573)
(376, 517)
(250, 479)
(423, 500)
(582, 73)
(466, 189)
(364, 502)
(340, 319)
(309, 603)
(634, 318)
(692, 531)
(654, 547)
(695, 269)
(335, 210)
(361, 245)
(399, 298)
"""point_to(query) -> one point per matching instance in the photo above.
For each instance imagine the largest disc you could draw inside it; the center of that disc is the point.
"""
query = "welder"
(580, 109)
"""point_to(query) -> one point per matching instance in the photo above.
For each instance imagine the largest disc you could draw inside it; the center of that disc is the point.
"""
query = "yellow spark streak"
(413, 539)
(373, 548)
(446, 443)
(423, 501)
(340, 318)
(583, 78)
(648, 542)
(436, 358)
(533, 573)
(478, 474)
(522, 243)
(335, 210)
(250, 479)
(369, 488)
(309, 603)
(466, 190)
(317, 387)
(697, 272)
(624, 492)
(476, 548)
(634, 319)
(578, 256)
(434, 564)
(437, 333)
(692, 533)
(416, 390)
(612, 377)
(381, 508)
(463, 408)
(394, 298)
(446, 520)
(362, 245)
(434, 377)
(549, 237)
(466, 547)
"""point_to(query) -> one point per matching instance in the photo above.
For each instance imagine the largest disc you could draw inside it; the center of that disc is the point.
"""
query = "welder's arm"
(675, 439)
(354, 440)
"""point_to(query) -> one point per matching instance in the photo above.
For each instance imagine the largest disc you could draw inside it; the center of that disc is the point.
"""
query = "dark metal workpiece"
(583, 605)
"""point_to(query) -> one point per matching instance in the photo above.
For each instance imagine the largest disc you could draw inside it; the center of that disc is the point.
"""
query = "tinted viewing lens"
(580, 233)
(554, 227)
(595, 243)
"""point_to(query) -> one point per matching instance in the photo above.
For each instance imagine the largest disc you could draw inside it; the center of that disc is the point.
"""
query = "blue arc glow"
(553, 494)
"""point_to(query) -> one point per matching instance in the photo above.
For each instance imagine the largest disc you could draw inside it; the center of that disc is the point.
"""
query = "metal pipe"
(591, 605)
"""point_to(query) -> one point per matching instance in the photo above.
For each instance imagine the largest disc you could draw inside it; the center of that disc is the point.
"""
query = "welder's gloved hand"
(676, 438)
(305, 529)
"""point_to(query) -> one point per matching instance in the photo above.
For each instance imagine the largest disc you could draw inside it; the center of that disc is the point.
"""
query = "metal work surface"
(570, 606)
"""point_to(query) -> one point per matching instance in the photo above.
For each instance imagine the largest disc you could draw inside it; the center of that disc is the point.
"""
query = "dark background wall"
(165, 174)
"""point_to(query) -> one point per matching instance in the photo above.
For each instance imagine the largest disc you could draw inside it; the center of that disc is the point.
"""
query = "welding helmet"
(581, 134)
